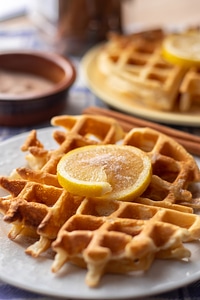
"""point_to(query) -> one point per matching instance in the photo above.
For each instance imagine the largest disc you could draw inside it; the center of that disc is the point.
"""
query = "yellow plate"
(96, 81)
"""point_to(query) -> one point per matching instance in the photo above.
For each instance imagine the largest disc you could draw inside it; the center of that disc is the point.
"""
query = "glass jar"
(83, 23)
(73, 26)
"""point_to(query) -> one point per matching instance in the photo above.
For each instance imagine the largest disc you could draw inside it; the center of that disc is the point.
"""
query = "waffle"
(189, 90)
(30, 185)
(104, 236)
(36, 210)
(133, 66)
(121, 237)
(173, 168)
(88, 232)
(79, 131)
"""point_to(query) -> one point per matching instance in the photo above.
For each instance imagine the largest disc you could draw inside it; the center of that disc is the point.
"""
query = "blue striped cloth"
(191, 292)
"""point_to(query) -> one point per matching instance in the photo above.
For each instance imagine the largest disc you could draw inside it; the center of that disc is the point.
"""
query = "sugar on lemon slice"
(182, 49)
(105, 171)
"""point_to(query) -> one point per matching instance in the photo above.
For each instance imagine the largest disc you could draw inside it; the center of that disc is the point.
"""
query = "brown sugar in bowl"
(33, 86)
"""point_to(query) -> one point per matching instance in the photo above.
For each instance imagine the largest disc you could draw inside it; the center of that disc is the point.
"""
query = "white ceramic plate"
(97, 83)
(35, 275)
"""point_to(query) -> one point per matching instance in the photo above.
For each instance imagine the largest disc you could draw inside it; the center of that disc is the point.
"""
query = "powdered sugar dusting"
(116, 167)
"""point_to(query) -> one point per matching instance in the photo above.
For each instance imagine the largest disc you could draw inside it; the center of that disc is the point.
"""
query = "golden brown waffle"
(79, 131)
(190, 90)
(133, 65)
(31, 185)
(173, 168)
(103, 236)
(36, 210)
(120, 237)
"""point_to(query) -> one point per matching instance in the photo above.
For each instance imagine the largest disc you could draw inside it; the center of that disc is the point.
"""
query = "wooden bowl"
(24, 102)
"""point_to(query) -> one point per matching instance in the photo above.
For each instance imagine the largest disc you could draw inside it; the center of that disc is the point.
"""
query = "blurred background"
(72, 27)
(43, 24)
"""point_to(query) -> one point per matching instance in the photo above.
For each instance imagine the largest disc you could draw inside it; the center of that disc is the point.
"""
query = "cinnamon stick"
(189, 141)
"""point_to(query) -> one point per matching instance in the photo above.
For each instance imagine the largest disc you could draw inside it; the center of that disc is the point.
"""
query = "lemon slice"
(182, 49)
(107, 171)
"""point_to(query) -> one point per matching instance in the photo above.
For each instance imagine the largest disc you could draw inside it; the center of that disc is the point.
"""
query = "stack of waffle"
(133, 65)
(103, 236)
